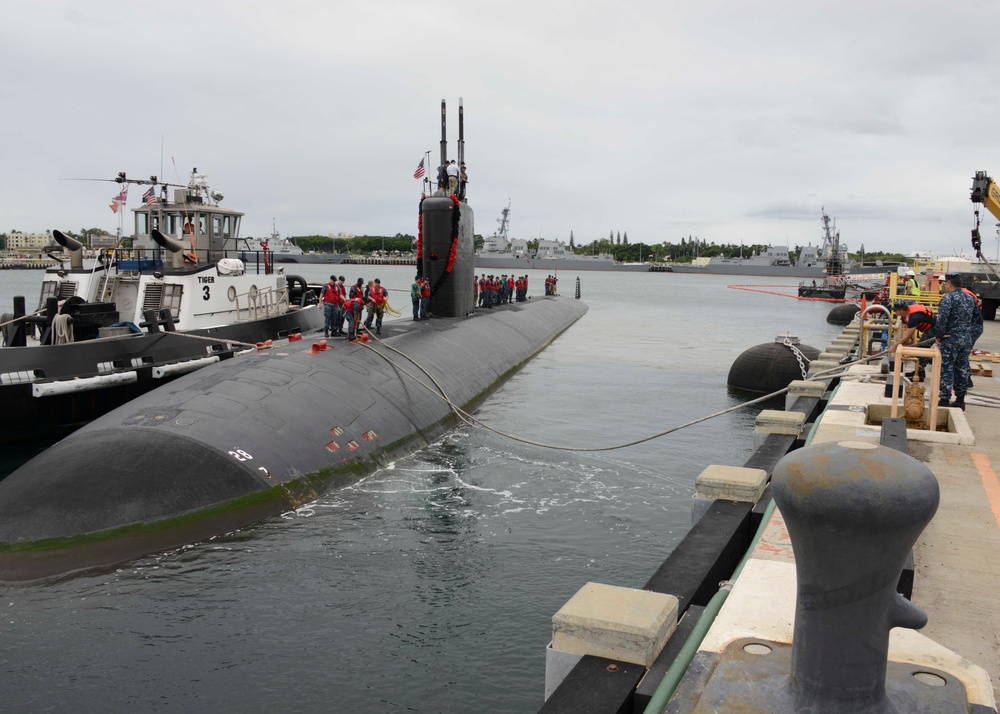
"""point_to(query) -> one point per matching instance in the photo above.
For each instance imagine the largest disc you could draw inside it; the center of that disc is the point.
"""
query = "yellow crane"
(985, 192)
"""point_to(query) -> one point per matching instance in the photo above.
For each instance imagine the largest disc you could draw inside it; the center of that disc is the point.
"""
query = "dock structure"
(952, 574)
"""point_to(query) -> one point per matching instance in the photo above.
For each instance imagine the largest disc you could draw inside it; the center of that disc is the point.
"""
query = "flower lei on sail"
(420, 232)
(454, 235)
(453, 252)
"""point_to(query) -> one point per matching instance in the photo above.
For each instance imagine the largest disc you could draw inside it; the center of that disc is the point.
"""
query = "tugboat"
(176, 299)
(836, 282)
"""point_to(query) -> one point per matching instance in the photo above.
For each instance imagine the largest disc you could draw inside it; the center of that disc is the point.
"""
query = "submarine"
(248, 438)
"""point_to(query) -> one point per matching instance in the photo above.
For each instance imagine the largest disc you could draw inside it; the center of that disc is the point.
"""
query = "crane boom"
(986, 192)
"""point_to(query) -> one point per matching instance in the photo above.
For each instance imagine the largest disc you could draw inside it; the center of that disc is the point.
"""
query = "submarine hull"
(251, 437)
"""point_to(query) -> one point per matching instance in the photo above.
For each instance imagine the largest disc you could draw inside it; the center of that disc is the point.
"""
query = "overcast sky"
(732, 121)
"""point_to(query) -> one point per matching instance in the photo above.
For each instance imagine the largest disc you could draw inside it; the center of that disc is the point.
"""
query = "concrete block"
(774, 421)
(817, 366)
(618, 623)
(731, 483)
(805, 388)
(557, 665)
(699, 507)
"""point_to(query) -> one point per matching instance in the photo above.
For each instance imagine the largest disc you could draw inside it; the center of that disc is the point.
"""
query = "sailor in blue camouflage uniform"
(954, 328)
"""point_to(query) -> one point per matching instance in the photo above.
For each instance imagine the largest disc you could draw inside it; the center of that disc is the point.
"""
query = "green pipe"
(672, 679)
(673, 676)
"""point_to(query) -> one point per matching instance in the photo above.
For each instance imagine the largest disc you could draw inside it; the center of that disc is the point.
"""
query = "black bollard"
(151, 321)
(167, 319)
(51, 310)
(19, 337)
(577, 288)
(853, 512)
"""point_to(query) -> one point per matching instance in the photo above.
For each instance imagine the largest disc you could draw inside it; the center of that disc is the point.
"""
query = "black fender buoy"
(843, 314)
(772, 366)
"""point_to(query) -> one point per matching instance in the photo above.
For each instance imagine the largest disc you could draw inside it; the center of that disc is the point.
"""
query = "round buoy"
(843, 314)
(769, 367)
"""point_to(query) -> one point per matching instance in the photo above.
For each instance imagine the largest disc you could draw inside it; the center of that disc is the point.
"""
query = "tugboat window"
(203, 224)
(172, 298)
(174, 224)
(217, 225)
(142, 224)
(50, 288)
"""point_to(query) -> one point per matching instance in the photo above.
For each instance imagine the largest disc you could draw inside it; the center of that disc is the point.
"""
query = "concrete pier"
(956, 559)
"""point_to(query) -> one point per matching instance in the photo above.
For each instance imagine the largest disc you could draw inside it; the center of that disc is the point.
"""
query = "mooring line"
(440, 393)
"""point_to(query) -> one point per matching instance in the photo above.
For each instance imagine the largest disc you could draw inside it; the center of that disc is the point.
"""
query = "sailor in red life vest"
(352, 310)
(491, 289)
(331, 307)
(425, 297)
(342, 294)
(376, 299)
(917, 318)
(510, 288)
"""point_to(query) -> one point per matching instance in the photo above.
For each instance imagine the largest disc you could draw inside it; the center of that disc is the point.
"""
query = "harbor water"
(430, 585)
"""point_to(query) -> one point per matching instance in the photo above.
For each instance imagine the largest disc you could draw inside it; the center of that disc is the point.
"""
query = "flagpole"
(427, 173)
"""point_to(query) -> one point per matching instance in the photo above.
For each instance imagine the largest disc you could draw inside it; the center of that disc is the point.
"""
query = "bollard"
(166, 318)
(578, 287)
(19, 337)
(853, 512)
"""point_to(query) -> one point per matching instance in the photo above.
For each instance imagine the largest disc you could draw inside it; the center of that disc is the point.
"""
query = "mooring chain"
(799, 357)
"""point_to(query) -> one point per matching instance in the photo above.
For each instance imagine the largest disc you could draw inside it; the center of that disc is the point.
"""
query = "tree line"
(617, 244)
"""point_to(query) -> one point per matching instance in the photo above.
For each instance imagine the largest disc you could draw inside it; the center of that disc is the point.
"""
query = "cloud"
(720, 119)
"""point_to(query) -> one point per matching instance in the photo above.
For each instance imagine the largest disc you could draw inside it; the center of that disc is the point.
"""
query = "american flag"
(149, 198)
(419, 173)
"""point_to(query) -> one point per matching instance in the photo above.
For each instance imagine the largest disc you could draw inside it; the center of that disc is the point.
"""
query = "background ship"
(283, 250)
(501, 253)
(777, 263)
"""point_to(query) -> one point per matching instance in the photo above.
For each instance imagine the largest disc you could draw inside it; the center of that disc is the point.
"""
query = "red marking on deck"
(352, 445)
(369, 435)
(991, 484)
(332, 446)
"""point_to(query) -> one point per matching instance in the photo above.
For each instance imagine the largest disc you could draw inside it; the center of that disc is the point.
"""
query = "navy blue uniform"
(954, 330)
